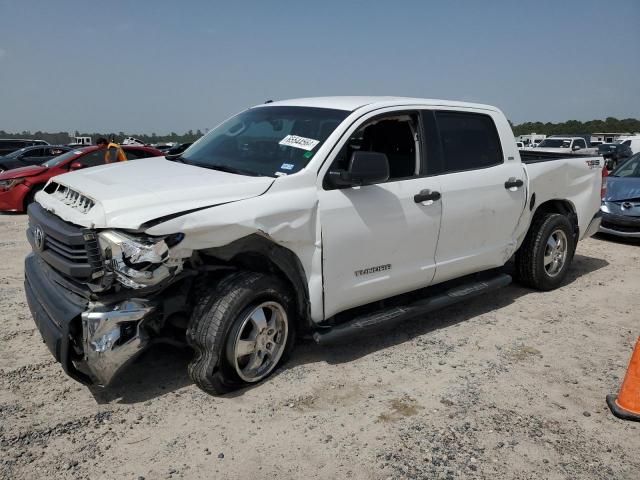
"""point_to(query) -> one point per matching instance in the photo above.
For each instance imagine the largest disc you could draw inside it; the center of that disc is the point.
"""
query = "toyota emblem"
(38, 237)
(627, 205)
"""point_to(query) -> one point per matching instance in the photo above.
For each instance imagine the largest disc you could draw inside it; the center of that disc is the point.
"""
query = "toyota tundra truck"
(322, 218)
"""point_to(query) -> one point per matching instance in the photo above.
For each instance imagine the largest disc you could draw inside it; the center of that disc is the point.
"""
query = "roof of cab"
(354, 103)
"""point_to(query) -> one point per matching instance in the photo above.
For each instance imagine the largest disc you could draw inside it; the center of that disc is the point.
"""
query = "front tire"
(241, 330)
(543, 260)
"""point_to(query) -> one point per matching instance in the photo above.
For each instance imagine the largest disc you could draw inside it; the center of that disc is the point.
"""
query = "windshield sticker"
(308, 154)
(287, 166)
(299, 142)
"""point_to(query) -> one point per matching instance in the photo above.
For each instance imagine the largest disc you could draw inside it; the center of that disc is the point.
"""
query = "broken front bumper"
(92, 341)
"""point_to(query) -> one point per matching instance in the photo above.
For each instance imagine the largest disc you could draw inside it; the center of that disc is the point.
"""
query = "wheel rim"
(555, 253)
(260, 341)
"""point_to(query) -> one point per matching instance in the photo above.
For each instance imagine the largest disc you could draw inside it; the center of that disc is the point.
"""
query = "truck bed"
(531, 156)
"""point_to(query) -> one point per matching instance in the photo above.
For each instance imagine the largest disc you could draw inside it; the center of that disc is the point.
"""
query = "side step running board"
(393, 315)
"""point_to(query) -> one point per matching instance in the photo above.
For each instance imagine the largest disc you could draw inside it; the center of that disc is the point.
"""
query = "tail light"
(603, 187)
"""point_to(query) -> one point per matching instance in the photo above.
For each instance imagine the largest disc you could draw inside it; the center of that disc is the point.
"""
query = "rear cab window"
(468, 140)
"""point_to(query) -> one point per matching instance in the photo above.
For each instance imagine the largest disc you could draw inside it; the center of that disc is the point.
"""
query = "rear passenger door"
(480, 211)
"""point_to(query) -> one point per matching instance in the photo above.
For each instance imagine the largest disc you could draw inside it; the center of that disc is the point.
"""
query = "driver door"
(377, 241)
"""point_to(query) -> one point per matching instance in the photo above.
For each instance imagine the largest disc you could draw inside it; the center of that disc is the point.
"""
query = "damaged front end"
(139, 261)
(99, 298)
(112, 336)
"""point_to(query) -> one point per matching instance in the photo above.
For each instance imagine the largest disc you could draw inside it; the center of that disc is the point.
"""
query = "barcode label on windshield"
(299, 142)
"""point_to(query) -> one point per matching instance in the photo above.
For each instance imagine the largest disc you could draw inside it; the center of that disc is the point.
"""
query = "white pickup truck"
(566, 145)
(321, 217)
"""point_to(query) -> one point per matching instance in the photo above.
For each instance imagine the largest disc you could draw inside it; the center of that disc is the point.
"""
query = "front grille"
(69, 249)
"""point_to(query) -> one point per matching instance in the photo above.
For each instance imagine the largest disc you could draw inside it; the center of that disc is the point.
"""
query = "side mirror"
(365, 168)
(576, 147)
(77, 166)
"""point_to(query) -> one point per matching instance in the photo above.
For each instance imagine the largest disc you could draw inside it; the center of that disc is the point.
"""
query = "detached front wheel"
(241, 330)
(544, 258)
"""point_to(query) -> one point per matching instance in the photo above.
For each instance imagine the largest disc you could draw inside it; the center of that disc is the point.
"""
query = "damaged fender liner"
(257, 253)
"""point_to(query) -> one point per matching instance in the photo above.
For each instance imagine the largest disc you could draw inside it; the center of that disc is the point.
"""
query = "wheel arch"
(259, 254)
(561, 206)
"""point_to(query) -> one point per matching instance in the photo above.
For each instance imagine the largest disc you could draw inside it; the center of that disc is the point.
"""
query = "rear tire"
(545, 255)
(241, 331)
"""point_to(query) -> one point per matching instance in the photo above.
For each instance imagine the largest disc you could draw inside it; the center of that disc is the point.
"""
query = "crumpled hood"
(22, 172)
(622, 188)
(128, 194)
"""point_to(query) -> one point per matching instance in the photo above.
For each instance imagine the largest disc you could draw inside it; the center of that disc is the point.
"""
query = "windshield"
(55, 161)
(629, 169)
(555, 143)
(265, 141)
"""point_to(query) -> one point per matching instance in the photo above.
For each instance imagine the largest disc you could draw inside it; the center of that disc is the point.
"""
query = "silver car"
(621, 204)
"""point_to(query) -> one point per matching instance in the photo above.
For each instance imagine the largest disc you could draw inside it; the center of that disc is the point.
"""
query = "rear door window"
(33, 153)
(469, 141)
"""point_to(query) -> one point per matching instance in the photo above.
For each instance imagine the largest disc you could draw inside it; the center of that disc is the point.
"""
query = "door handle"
(513, 183)
(426, 195)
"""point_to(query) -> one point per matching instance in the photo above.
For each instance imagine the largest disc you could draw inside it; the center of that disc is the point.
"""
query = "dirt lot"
(507, 386)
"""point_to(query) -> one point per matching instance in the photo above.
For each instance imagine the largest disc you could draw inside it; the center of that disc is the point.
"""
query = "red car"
(19, 186)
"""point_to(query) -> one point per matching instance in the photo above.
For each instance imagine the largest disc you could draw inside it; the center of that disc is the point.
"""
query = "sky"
(161, 66)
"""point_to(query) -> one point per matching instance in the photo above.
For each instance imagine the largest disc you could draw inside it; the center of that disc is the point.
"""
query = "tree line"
(608, 125)
(60, 138)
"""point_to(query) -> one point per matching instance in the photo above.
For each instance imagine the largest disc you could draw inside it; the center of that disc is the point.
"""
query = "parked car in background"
(77, 141)
(8, 145)
(614, 153)
(132, 141)
(633, 141)
(178, 149)
(531, 140)
(566, 145)
(31, 156)
(19, 185)
(164, 146)
(621, 204)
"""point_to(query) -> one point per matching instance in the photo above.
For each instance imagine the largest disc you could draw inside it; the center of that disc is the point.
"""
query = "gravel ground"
(511, 385)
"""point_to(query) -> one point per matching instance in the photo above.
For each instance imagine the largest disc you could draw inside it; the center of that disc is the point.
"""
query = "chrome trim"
(101, 330)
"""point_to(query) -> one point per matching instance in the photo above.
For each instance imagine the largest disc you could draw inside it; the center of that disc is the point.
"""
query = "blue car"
(621, 203)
